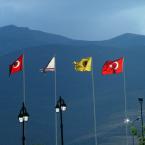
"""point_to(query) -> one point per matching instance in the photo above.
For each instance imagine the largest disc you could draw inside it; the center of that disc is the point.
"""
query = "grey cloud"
(79, 19)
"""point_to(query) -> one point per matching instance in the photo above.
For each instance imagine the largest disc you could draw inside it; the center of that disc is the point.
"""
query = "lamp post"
(23, 117)
(141, 115)
(60, 107)
(133, 129)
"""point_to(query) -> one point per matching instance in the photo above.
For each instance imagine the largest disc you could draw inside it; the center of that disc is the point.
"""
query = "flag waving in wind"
(113, 67)
(85, 64)
(17, 65)
(50, 66)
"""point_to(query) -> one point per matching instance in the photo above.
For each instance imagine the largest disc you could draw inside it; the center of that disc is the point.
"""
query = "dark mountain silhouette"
(127, 40)
(12, 37)
(74, 87)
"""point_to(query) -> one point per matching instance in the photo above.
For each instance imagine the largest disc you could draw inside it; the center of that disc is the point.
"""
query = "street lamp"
(141, 115)
(23, 117)
(127, 121)
(133, 129)
(59, 108)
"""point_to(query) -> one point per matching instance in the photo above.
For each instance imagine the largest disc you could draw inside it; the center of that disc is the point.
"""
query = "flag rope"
(94, 105)
(125, 102)
(55, 89)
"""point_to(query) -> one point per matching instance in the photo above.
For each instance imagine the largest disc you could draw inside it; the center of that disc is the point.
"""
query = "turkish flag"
(113, 67)
(16, 66)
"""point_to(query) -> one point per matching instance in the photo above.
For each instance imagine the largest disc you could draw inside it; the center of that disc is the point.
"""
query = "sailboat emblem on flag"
(50, 66)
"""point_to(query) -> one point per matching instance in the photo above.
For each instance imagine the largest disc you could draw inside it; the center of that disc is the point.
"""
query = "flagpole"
(94, 104)
(125, 102)
(24, 87)
(55, 89)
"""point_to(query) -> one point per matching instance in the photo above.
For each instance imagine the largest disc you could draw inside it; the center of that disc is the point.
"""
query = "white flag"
(50, 66)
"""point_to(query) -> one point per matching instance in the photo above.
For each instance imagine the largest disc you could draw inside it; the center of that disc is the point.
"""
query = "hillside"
(13, 38)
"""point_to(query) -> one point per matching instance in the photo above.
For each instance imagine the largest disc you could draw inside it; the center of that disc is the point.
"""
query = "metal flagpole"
(125, 102)
(24, 87)
(56, 142)
(94, 105)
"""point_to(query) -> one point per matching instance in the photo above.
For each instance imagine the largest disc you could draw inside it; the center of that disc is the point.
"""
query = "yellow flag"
(85, 64)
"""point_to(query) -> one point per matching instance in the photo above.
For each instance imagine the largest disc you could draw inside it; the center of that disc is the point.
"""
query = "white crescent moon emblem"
(117, 65)
(17, 64)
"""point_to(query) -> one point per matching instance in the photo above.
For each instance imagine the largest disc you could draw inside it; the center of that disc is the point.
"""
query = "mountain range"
(12, 37)
(75, 87)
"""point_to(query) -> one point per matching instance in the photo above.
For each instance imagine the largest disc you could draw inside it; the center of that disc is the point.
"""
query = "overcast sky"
(79, 19)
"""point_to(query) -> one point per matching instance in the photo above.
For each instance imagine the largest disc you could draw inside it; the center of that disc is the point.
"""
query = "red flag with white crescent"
(17, 65)
(113, 67)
